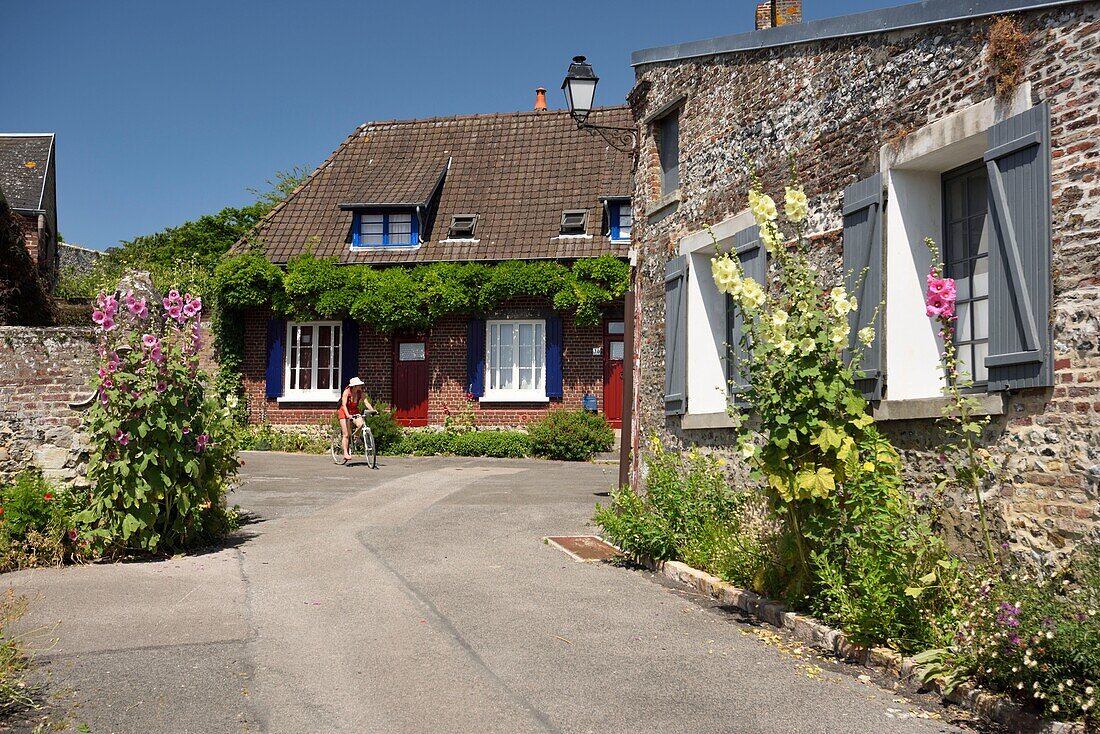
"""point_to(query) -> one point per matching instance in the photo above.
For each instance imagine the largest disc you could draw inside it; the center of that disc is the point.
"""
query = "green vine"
(398, 298)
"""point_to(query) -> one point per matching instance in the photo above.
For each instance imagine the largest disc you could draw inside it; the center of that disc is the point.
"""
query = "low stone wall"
(76, 260)
(41, 371)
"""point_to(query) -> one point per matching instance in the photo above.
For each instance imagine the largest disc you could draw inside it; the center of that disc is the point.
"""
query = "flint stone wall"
(41, 371)
(833, 104)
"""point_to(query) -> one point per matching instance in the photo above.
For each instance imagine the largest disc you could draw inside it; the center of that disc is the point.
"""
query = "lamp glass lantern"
(580, 88)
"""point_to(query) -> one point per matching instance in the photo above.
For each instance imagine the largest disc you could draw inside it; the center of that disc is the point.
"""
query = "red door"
(410, 380)
(613, 373)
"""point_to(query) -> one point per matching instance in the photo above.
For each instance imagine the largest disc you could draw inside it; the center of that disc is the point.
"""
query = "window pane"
(955, 247)
(540, 355)
(977, 190)
(494, 354)
(506, 360)
(324, 359)
(981, 277)
(615, 327)
(669, 152)
(955, 199)
(370, 229)
(305, 359)
(981, 319)
(962, 325)
(617, 349)
(962, 287)
(981, 372)
(977, 235)
(964, 361)
(400, 229)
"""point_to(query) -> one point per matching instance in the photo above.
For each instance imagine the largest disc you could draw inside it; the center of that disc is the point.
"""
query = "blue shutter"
(554, 339)
(1018, 162)
(863, 252)
(414, 236)
(355, 229)
(349, 351)
(475, 357)
(676, 336)
(750, 252)
(276, 334)
(613, 215)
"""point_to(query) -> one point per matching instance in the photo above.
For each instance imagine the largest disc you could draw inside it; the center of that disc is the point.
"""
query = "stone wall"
(41, 371)
(833, 104)
(76, 260)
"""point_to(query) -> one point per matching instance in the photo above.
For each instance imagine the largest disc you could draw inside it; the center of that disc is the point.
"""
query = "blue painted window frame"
(615, 211)
(414, 227)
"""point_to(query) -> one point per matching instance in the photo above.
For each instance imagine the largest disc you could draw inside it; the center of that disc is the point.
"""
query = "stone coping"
(988, 706)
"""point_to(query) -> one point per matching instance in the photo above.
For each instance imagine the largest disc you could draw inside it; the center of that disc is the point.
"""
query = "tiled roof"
(24, 160)
(516, 171)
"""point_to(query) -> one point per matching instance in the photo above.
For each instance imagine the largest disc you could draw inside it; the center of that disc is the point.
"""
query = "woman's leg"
(344, 428)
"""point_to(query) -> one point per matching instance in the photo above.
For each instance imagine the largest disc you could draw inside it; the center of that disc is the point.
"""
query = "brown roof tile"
(516, 171)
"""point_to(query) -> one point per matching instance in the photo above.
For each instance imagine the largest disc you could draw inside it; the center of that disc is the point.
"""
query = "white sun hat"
(354, 382)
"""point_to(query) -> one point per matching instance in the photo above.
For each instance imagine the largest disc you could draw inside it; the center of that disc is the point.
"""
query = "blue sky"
(166, 111)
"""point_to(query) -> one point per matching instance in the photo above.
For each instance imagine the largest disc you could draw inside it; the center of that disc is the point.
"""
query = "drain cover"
(584, 547)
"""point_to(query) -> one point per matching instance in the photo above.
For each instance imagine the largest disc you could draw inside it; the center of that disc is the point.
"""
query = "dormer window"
(574, 221)
(384, 229)
(462, 227)
(621, 218)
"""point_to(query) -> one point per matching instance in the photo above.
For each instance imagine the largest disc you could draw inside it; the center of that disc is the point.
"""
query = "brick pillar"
(763, 16)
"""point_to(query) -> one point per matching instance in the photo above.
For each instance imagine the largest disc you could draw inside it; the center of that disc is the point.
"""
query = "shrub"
(266, 438)
(384, 427)
(688, 512)
(571, 435)
(495, 444)
(163, 451)
(36, 522)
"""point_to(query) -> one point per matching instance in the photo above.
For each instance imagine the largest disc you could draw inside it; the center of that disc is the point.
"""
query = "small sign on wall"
(597, 351)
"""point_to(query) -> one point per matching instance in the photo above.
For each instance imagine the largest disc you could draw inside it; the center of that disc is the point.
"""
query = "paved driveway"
(419, 598)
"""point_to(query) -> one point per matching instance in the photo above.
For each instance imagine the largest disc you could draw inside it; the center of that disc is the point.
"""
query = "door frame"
(396, 342)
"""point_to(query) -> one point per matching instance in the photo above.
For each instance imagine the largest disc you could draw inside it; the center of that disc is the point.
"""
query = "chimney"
(540, 99)
(778, 12)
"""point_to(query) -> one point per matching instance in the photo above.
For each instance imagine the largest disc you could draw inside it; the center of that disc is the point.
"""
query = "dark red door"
(410, 380)
(613, 373)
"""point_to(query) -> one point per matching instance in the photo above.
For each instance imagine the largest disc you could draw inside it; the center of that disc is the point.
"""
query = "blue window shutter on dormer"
(414, 235)
(355, 229)
(475, 357)
(554, 339)
(276, 334)
(349, 351)
(613, 213)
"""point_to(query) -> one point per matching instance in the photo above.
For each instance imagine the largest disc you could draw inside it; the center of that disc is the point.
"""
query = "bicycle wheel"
(369, 449)
(336, 446)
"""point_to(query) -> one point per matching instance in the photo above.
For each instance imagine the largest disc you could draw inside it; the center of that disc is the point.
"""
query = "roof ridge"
(483, 115)
(28, 135)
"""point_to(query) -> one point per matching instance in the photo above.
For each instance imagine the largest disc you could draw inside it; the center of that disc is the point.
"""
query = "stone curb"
(990, 707)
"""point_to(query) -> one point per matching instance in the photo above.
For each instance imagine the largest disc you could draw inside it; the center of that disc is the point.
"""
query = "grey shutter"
(676, 336)
(750, 251)
(1018, 162)
(863, 251)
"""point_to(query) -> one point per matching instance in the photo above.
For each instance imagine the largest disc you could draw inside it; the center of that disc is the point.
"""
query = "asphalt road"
(420, 598)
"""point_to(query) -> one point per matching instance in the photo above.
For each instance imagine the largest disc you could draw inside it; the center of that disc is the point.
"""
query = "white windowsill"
(705, 421)
(310, 397)
(514, 396)
(384, 248)
(931, 408)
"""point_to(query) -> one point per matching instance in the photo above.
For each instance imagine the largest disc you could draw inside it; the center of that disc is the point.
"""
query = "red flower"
(48, 496)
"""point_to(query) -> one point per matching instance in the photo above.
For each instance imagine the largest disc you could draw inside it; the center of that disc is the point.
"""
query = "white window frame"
(514, 395)
(313, 395)
(914, 210)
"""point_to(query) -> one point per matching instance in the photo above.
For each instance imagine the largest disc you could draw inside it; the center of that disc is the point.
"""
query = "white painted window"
(312, 369)
(918, 206)
(515, 362)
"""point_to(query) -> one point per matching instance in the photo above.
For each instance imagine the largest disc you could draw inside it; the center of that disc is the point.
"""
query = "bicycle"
(360, 441)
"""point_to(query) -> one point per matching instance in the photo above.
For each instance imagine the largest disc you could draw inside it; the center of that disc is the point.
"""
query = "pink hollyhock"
(935, 306)
(108, 384)
(103, 398)
(143, 312)
(188, 310)
(149, 341)
(202, 441)
(175, 312)
(137, 306)
(174, 294)
(72, 536)
(98, 317)
(186, 430)
(102, 373)
(156, 354)
(161, 387)
(108, 323)
(122, 437)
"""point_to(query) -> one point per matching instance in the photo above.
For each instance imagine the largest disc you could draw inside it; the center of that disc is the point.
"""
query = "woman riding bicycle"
(349, 411)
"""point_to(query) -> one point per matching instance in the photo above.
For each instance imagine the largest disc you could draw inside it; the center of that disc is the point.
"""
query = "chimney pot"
(540, 99)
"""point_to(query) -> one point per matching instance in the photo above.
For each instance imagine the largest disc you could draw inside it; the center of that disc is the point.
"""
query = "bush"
(35, 522)
(494, 444)
(1036, 638)
(266, 438)
(571, 435)
(689, 513)
(164, 452)
(384, 427)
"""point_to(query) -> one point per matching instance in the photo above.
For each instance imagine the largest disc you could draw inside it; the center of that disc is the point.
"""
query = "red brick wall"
(28, 225)
(447, 382)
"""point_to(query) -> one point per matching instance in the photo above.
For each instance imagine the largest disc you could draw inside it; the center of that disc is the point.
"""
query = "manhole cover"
(584, 547)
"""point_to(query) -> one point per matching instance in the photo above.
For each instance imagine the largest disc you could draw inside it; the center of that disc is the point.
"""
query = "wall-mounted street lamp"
(580, 93)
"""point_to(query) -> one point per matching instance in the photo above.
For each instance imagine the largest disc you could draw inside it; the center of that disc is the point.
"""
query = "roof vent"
(574, 221)
(462, 226)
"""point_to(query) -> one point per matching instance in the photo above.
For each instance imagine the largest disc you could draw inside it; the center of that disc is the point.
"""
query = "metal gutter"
(915, 15)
